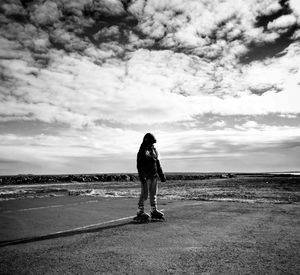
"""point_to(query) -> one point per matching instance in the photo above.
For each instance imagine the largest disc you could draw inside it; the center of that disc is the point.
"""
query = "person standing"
(149, 170)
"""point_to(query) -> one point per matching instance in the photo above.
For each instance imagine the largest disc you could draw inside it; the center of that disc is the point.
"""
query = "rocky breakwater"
(40, 179)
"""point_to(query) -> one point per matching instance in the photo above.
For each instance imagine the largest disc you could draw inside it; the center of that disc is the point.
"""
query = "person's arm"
(159, 169)
(160, 172)
(140, 169)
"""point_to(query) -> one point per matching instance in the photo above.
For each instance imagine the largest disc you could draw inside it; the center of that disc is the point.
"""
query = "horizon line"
(135, 173)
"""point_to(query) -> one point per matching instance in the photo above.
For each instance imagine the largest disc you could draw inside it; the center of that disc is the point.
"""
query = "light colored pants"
(150, 186)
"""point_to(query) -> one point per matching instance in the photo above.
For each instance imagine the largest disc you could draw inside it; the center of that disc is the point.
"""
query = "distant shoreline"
(167, 173)
(126, 177)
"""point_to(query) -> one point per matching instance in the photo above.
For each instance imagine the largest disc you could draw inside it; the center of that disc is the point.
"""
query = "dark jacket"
(148, 164)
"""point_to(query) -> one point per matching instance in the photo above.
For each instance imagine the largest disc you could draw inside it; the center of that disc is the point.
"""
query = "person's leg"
(143, 195)
(156, 215)
(153, 193)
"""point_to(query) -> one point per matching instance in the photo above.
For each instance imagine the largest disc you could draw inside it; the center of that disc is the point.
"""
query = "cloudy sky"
(216, 81)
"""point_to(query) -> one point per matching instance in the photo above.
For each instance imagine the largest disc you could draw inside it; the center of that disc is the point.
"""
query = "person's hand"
(163, 178)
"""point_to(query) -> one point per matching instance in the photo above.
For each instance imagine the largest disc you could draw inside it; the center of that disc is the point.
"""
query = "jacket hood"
(149, 139)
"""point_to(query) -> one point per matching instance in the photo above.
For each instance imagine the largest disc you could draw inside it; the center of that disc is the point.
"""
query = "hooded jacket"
(148, 164)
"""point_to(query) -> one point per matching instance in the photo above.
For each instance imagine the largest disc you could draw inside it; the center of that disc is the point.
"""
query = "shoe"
(141, 217)
(157, 215)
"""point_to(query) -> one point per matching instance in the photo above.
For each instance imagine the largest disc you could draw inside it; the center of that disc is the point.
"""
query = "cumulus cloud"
(147, 64)
(272, 8)
(295, 7)
(283, 22)
(168, 86)
(207, 29)
(46, 13)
